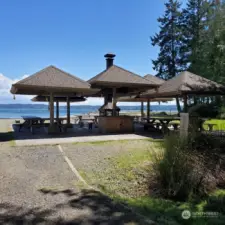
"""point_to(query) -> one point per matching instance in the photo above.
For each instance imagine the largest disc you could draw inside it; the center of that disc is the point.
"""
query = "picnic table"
(32, 122)
(89, 119)
(160, 121)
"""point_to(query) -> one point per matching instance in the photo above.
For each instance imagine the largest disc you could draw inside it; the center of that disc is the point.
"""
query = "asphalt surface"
(38, 187)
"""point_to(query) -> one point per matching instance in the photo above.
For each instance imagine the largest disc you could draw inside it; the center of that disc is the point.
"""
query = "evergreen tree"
(195, 18)
(169, 39)
(214, 48)
(170, 60)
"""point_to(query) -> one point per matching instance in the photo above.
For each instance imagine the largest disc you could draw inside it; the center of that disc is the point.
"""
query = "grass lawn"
(126, 177)
(219, 124)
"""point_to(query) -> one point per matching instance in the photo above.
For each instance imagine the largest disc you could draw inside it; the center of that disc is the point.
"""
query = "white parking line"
(74, 170)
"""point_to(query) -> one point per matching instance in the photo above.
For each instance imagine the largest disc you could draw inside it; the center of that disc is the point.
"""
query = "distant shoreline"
(122, 112)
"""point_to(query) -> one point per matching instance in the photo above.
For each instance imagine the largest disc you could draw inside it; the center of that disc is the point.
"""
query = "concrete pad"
(64, 140)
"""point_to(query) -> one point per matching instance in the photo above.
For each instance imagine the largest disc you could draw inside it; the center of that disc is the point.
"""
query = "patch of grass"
(219, 124)
(164, 211)
(81, 185)
(123, 173)
(116, 141)
(132, 159)
(100, 142)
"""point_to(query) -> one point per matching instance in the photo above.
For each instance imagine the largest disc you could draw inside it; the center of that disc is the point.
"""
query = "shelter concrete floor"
(73, 135)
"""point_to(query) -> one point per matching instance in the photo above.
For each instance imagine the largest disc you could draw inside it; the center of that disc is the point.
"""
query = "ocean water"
(19, 110)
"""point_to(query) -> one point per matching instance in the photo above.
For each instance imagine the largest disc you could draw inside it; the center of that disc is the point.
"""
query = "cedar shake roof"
(117, 76)
(50, 79)
(186, 83)
(154, 79)
(57, 98)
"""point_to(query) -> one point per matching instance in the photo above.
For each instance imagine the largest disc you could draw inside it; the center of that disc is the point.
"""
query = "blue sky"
(75, 34)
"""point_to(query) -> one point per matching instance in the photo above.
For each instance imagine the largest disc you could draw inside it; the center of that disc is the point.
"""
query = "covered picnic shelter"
(138, 98)
(57, 100)
(115, 82)
(51, 82)
(184, 85)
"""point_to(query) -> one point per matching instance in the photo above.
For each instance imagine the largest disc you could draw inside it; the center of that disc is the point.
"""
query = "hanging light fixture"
(14, 97)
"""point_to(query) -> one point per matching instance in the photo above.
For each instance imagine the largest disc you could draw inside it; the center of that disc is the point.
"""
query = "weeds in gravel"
(117, 141)
(124, 173)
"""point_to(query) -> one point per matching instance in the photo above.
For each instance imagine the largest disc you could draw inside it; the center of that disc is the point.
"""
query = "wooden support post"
(148, 110)
(105, 100)
(51, 105)
(68, 110)
(142, 109)
(114, 101)
(185, 104)
(184, 124)
(57, 110)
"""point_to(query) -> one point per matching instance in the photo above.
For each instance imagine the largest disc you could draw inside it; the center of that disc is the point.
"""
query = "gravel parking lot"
(38, 187)
(87, 155)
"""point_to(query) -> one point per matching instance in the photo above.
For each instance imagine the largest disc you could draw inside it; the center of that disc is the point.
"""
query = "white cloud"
(5, 96)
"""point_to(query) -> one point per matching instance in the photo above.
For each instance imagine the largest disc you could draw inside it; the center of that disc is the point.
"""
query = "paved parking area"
(38, 187)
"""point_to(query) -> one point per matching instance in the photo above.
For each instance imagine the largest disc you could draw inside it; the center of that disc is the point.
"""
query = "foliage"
(174, 169)
(164, 211)
(170, 60)
(189, 167)
(204, 110)
(192, 38)
(194, 24)
(214, 45)
(222, 112)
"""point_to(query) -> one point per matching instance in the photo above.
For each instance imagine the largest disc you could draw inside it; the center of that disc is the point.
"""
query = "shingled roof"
(153, 79)
(50, 79)
(186, 83)
(117, 76)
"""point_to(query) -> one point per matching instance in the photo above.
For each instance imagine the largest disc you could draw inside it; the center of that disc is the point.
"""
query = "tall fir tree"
(214, 48)
(170, 59)
(195, 18)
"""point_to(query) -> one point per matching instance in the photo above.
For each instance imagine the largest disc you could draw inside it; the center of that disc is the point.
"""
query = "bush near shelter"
(190, 167)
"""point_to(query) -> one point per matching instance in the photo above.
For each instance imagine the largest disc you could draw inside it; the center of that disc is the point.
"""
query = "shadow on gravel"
(6, 136)
(102, 211)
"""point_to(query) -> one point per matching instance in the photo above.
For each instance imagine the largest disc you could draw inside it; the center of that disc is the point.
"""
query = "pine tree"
(170, 59)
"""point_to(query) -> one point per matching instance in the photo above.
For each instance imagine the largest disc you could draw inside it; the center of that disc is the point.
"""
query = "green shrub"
(181, 169)
(204, 110)
(222, 113)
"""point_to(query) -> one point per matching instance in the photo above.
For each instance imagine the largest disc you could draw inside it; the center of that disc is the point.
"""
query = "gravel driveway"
(38, 187)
